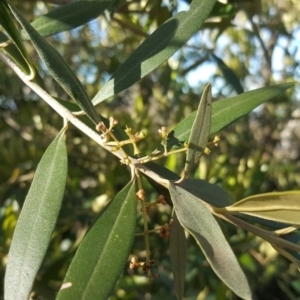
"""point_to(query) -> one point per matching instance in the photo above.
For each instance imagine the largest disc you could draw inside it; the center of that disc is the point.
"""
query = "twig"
(68, 115)
(130, 27)
(256, 32)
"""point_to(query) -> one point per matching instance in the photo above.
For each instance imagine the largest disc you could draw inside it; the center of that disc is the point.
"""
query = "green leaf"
(200, 131)
(208, 192)
(280, 206)
(293, 237)
(36, 222)
(103, 252)
(20, 56)
(59, 69)
(266, 223)
(157, 48)
(224, 10)
(224, 112)
(14, 53)
(289, 255)
(195, 217)
(229, 75)
(68, 17)
(165, 173)
(178, 256)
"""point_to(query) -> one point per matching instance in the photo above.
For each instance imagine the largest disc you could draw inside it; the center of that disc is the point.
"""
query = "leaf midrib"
(35, 220)
(111, 236)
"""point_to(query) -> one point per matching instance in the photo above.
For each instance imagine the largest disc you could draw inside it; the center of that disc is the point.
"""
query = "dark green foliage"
(80, 248)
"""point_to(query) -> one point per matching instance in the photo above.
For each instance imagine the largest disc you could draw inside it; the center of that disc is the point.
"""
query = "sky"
(207, 70)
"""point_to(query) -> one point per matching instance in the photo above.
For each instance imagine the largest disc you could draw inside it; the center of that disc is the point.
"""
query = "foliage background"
(259, 43)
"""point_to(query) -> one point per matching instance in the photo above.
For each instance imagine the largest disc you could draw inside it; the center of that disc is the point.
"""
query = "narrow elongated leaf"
(281, 207)
(267, 223)
(288, 255)
(157, 48)
(208, 192)
(14, 53)
(68, 17)
(36, 222)
(293, 237)
(195, 217)
(229, 75)
(200, 130)
(103, 252)
(178, 256)
(10, 28)
(224, 112)
(59, 69)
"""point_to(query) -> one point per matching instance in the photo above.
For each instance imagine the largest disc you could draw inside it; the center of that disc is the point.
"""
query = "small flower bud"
(143, 134)
(164, 231)
(101, 127)
(133, 263)
(163, 132)
(186, 144)
(128, 130)
(207, 150)
(161, 200)
(112, 122)
(216, 140)
(140, 194)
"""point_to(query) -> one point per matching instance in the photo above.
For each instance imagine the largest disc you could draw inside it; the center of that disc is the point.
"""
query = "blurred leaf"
(59, 69)
(281, 207)
(195, 217)
(157, 48)
(68, 17)
(200, 130)
(288, 255)
(178, 255)
(220, 26)
(292, 237)
(224, 112)
(19, 56)
(229, 75)
(104, 250)
(224, 10)
(37, 220)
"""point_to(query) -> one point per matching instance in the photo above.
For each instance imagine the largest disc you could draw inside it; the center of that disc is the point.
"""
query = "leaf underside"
(195, 217)
(104, 250)
(36, 221)
(157, 48)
